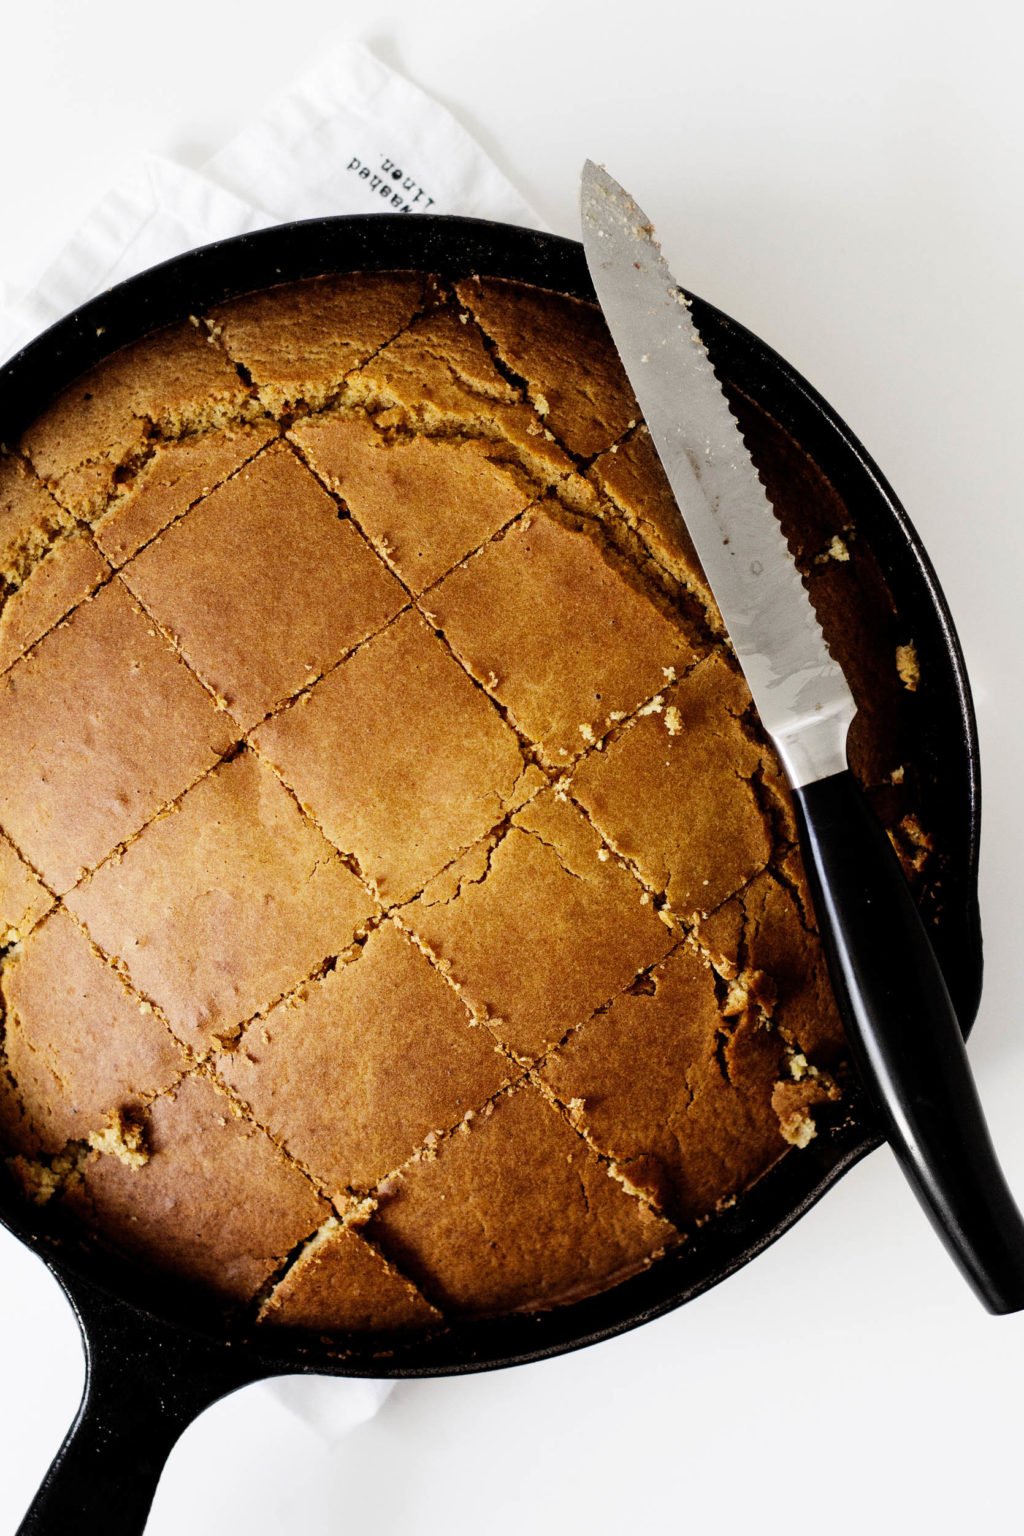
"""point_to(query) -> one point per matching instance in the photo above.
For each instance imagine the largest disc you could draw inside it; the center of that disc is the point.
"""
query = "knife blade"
(800, 692)
(900, 1024)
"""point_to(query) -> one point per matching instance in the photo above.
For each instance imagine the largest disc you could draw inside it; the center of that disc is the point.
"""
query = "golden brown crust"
(299, 341)
(577, 384)
(762, 930)
(438, 377)
(78, 1045)
(178, 475)
(151, 730)
(393, 1053)
(237, 863)
(30, 519)
(398, 736)
(246, 624)
(695, 1124)
(515, 1212)
(544, 934)
(673, 793)
(558, 631)
(424, 502)
(166, 385)
(23, 897)
(70, 571)
(417, 796)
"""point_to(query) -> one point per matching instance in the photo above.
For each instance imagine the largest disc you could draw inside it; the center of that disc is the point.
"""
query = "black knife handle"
(904, 1037)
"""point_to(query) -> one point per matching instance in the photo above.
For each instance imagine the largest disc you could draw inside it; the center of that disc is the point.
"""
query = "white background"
(846, 180)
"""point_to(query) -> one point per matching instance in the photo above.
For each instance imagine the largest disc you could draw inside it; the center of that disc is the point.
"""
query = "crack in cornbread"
(352, 630)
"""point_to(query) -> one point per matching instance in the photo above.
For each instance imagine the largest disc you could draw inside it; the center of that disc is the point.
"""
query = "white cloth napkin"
(350, 137)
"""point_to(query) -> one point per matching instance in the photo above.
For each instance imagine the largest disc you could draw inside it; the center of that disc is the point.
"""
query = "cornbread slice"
(544, 933)
(517, 1212)
(30, 520)
(23, 897)
(674, 792)
(100, 726)
(424, 502)
(340, 1281)
(71, 570)
(300, 340)
(78, 1045)
(398, 736)
(579, 387)
(178, 475)
(236, 862)
(391, 1050)
(438, 377)
(250, 627)
(215, 1203)
(166, 385)
(558, 630)
(679, 1096)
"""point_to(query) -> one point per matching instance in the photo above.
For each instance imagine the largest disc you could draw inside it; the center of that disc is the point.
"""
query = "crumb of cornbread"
(794, 1102)
(43, 1178)
(907, 666)
(121, 1137)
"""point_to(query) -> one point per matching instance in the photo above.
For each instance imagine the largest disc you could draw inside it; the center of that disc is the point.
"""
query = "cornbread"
(400, 912)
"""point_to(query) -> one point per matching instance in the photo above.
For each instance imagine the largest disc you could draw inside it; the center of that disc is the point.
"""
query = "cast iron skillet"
(156, 1354)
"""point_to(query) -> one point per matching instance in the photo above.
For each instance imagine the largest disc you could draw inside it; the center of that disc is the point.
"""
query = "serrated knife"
(902, 1030)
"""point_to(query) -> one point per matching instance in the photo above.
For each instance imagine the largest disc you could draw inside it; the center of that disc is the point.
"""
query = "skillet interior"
(947, 756)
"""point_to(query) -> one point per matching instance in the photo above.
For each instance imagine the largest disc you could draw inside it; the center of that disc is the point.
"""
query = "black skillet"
(156, 1354)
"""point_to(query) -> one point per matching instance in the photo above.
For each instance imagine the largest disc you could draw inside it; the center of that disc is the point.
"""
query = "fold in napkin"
(350, 137)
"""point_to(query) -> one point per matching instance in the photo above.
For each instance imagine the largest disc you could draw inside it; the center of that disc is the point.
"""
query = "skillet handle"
(144, 1384)
(905, 1039)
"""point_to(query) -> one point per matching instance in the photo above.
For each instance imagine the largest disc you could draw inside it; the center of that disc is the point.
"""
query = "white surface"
(847, 182)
